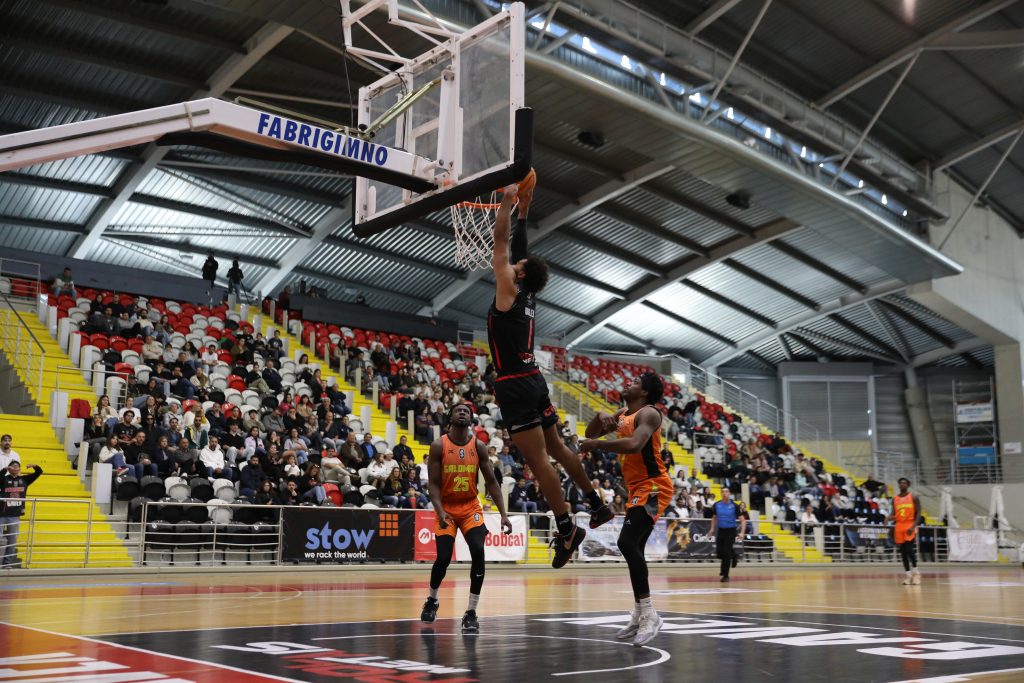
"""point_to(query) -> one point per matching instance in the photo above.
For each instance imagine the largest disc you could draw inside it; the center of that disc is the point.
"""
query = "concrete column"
(921, 427)
(1010, 408)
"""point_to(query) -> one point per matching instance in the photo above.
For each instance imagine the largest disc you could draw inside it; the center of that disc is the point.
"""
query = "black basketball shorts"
(524, 402)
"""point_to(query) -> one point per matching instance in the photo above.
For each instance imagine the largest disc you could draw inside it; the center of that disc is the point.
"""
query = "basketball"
(528, 183)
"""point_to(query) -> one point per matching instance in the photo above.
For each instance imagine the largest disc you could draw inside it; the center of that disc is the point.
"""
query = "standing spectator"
(13, 488)
(7, 454)
(235, 278)
(210, 269)
(63, 285)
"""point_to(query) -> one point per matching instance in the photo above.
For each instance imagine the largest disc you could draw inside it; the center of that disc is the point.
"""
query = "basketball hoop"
(474, 232)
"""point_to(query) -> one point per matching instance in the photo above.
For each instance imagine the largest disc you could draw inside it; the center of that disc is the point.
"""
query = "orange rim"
(478, 205)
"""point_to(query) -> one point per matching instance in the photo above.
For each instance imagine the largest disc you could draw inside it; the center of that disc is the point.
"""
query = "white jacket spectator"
(152, 349)
(212, 456)
(379, 470)
(7, 454)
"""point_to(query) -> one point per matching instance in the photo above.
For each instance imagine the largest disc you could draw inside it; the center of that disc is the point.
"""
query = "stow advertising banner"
(602, 544)
(497, 548)
(316, 534)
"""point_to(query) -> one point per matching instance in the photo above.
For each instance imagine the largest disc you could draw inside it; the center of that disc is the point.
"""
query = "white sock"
(474, 600)
(433, 593)
(909, 572)
(646, 606)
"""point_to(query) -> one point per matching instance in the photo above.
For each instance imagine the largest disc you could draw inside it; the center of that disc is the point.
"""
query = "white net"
(474, 232)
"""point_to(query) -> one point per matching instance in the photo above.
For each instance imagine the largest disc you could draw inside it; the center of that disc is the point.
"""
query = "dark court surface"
(721, 647)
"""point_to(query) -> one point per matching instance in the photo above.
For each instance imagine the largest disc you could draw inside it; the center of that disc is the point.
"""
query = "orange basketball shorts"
(904, 533)
(654, 495)
(466, 516)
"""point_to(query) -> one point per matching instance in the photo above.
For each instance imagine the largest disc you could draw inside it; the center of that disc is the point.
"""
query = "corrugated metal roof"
(32, 239)
(590, 263)
(45, 204)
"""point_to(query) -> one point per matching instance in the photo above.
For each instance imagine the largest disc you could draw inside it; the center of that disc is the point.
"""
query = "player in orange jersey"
(638, 427)
(452, 467)
(906, 510)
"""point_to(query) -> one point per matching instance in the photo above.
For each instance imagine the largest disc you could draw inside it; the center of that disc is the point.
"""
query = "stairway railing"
(21, 346)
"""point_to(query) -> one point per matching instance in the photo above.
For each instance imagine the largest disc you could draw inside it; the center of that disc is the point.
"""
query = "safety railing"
(56, 533)
(95, 381)
(20, 345)
(20, 280)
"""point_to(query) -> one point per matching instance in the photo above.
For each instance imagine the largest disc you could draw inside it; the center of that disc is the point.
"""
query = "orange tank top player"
(906, 512)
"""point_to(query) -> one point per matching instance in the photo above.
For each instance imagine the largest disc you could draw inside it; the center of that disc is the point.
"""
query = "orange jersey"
(903, 510)
(459, 466)
(646, 464)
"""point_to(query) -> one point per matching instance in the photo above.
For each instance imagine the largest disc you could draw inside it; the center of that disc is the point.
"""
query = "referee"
(726, 515)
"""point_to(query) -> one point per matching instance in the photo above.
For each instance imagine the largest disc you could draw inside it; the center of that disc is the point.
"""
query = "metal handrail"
(28, 356)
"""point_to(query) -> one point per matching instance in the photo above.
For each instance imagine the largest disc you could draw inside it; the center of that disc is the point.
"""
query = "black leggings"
(725, 542)
(908, 553)
(446, 547)
(632, 539)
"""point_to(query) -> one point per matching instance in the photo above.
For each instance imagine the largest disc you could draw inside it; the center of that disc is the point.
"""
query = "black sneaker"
(602, 515)
(429, 612)
(469, 622)
(725, 579)
(563, 554)
(735, 561)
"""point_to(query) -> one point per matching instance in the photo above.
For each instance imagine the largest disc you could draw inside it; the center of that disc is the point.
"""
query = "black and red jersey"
(510, 336)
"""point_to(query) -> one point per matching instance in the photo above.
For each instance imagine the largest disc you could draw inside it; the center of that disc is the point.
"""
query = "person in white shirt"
(378, 470)
(7, 454)
(210, 357)
(212, 458)
(334, 470)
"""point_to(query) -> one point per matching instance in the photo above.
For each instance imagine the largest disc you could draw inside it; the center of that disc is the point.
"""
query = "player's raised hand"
(587, 445)
(506, 525)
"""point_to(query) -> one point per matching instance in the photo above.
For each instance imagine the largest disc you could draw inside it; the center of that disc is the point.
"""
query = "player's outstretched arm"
(494, 489)
(434, 476)
(603, 423)
(504, 276)
(647, 422)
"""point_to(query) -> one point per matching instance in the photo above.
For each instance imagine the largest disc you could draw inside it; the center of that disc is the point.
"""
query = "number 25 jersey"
(459, 465)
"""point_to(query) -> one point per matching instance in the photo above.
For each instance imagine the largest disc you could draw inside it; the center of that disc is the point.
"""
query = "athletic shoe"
(563, 554)
(429, 612)
(469, 622)
(725, 579)
(601, 515)
(631, 628)
(650, 624)
(735, 560)
(908, 580)
(915, 578)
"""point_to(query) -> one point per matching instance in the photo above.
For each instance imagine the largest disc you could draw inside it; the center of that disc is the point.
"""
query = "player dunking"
(638, 427)
(520, 389)
(906, 510)
(452, 466)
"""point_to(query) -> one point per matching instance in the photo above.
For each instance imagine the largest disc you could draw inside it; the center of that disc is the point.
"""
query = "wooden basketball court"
(797, 624)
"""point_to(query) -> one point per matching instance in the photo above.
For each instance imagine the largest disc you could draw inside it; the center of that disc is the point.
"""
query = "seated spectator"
(288, 469)
(95, 436)
(274, 420)
(311, 485)
(252, 478)
(186, 456)
(519, 499)
(113, 453)
(377, 471)
(64, 285)
(618, 505)
(162, 458)
(212, 458)
(266, 495)
(104, 410)
(369, 450)
(402, 449)
(124, 431)
(234, 444)
(254, 444)
(210, 357)
(392, 488)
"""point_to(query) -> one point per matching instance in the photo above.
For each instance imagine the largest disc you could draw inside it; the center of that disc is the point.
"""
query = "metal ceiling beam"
(83, 54)
(819, 266)
(812, 347)
(979, 40)
(37, 224)
(722, 339)
(855, 348)
(867, 336)
(770, 283)
(629, 217)
(735, 59)
(359, 286)
(189, 248)
(787, 350)
(891, 331)
(973, 148)
(699, 208)
(586, 281)
(302, 249)
(254, 182)
(794, 323)
(677, 272)
(646, 343)
(67, 96)
(54, 184)
(120, 16)
(935, 355)
(386, 254)
(905, 53)
(728, 303)
(710, 15)
(230, 71)
(598, 245)
(548, 224)
(923, 327)
(214, 214)
(761, 359)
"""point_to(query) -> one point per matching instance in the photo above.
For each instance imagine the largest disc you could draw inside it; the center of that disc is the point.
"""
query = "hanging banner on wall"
(869, 536)
(688, 539)
(316, 534)
(967, 413)
(602, 544)
(972, 545)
